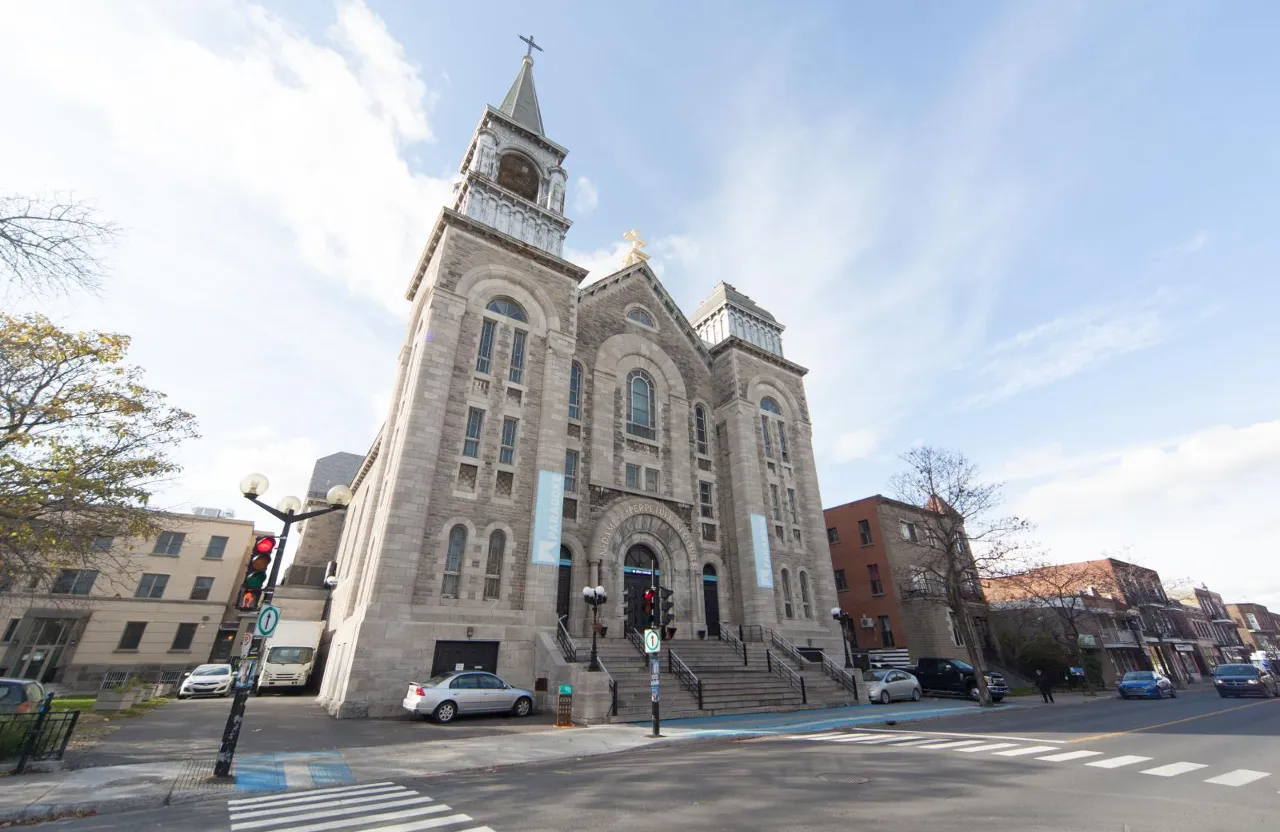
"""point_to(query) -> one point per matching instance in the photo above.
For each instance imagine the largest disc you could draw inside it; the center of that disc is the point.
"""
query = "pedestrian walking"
(1045, 683)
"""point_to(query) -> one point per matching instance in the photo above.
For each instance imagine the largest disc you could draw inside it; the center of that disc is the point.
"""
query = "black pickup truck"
(956, 677)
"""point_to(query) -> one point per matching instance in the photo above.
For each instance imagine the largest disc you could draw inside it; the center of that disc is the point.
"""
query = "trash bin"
(564, 707)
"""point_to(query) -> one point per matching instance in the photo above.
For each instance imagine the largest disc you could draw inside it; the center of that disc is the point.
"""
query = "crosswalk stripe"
(301, 801)
(1018, 752)
(1117, 762)
(1070, 755)
(353, 810)
(989, 747)
(882, 740)
(1239, 777)
(250, 801)
(1173, 769)
(826, 735)
(916, 741)
(329, 805)
(951, 744)
(432, 823)
(856, 738)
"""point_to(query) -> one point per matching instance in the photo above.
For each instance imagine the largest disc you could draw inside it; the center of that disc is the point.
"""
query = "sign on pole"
(245, 641)
(267, 620)
(652, 642)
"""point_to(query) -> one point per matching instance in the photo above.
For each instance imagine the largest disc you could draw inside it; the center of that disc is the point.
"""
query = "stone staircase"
(729, 685)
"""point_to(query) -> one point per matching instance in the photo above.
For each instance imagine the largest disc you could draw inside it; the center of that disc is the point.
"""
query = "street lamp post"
(845, 623)
(594, 596)
(287, 512)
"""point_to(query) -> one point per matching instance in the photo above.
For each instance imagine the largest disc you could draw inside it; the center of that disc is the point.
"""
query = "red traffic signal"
(255, 575)
(264, 545)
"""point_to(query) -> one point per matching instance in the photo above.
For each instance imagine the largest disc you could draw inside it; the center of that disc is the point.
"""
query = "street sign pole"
(655, 659)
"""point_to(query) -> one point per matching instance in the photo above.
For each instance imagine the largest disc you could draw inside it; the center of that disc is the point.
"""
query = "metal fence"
(38, 736)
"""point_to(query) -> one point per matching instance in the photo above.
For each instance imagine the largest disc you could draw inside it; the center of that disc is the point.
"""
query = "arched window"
(641, 316)
(804, 595)
(641, 418)
(709, 572)
(508, 307)
(787, 609)
(641, 559)
(453, 561)
(700, 428)
(769, 406)
(493, 567)
(518, 175)
(575, 391)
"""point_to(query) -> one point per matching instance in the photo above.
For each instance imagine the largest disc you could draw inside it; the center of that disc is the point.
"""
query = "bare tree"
(963, 540)
(48, 246)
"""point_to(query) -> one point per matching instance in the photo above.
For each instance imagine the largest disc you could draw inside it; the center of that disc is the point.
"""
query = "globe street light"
(594, 596)
(846, 622)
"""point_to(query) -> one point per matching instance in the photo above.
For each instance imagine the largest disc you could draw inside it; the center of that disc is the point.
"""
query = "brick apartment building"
(1258, 628)
(875, 544)
(1220, 641)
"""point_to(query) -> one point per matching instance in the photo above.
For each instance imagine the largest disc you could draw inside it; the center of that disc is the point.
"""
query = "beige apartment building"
(157, 611)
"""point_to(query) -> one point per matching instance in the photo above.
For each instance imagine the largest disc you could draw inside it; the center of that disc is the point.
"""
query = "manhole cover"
(846, 779)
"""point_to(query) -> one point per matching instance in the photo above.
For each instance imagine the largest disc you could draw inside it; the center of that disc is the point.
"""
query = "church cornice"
(473, 179)
(642, 269)
(535, 138)
(734, 342)
(369, 459)
(451, 218)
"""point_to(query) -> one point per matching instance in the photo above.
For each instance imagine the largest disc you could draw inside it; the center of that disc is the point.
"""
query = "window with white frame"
(908, 530)
(453, 561)
(570, 471)
(700, 429)
(651, 480)
(805, 605)
(484, 353)
(475, 421)
(507, 451)
(641, 416)
(575, 391)
(516, 373)
(787, 609)
(633, 476)
(493, 565)
(705, 504)
(509, 308)
(641, 316)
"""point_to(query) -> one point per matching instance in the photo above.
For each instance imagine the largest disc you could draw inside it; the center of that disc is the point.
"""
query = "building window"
(640, 410)
(493, 566)
(475, 421)
(782, 443)
(804, 595)
(795, 537)
(764, 432)
(633, 476)
(183, 638)
(509, 308)
(700, 428)
(151, 586)
(908, 531)
(11, 630)
(773, 496)
(516, 374)
(640, 316)
(571, 471)
(709, 532)
(1253, 621)
(132, 635)
(453, 561)
(833, 536)
(651, 480)
(768, 405)
(169, 543)
(791, 504)
(864, 532)
(787, 609)
(507, 451)
(518, 175)
(102, 544)
(705, 505)
(484, 355)
(575, 391)
(74, 582)
(217, 546)
(957, 635)
(201, 588)
(780, 533)
(873, 574)
(842, 583)
(886, 631)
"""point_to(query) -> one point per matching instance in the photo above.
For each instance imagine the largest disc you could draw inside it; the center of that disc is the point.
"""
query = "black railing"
(733, 641)
(750, 632)
(567, 647)
(840, 675)
(637, 641)
(613, 688)
(777, 640)
(42, 735)
(779, 668)
(686, 676)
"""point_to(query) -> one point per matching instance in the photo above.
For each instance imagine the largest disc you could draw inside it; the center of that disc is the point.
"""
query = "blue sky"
(1039, 233)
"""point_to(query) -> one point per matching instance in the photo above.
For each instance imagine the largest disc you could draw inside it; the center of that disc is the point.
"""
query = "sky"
(1041, 234)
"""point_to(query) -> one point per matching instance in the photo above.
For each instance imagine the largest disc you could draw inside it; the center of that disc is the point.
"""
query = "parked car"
(207, 680)
(887, 684)
(445, 696)
(1146, 684)
(957, 677)
(20, 696)
(1244, 680)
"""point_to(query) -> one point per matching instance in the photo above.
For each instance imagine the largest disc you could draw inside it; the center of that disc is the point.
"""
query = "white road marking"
(880, 740)
(1070, 755)
(250, 801)
(1117, 762)
(915, 742)
(943, 734)
(1239, 777)
(990, 747)
(823, 736)
(950, 744)
(432, 823)
(1031, 749)
(328, 805)
(855, 738)
(1174, 769)
(353, 810)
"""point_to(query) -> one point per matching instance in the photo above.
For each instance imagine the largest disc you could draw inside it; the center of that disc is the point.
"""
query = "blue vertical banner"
(547, 518)
(760, 543)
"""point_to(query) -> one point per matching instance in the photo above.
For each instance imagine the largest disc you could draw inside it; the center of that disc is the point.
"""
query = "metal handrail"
(751, 632)
(840, 675)
(787, 647)
(613, 688)
(732, 640)
(792, 678)
(565, 641)
(686, 676)
(637, 641)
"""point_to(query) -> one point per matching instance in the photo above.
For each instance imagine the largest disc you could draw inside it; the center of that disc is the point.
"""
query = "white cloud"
(602, 262)
(1184, 249)
(856, 444)
(586, 198)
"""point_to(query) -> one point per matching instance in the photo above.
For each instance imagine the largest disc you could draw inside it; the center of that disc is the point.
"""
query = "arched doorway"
(711, 600)
(638, 570)
(564, 588)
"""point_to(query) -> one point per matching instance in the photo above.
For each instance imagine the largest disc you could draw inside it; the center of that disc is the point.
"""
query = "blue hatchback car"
(1146, 684)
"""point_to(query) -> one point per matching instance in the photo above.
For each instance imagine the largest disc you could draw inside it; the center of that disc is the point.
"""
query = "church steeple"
(521, 103)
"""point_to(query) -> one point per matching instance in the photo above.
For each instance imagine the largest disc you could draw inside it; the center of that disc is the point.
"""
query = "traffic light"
(650, 608)
(668, 616)
(255, 575)
(627, 600)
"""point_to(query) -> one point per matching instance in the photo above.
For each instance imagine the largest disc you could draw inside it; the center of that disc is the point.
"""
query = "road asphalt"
(1194, 763)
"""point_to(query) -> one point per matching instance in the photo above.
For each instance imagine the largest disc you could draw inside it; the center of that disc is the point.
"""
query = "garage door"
(465, 655)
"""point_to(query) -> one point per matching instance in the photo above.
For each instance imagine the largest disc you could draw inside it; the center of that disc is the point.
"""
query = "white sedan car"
(886, 684)
(466, 692)
(207, 680)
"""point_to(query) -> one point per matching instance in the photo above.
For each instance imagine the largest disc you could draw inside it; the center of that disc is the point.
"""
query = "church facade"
(543, 436)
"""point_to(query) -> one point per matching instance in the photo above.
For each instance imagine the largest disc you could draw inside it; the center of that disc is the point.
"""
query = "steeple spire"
(521, 103)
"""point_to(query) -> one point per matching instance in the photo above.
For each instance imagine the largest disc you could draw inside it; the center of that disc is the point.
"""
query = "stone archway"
(647, 530)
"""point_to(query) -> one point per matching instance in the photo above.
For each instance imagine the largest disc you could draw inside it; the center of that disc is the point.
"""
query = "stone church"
(544, 436)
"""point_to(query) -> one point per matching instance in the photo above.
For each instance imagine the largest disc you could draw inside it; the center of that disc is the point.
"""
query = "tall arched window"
(805, 606)
(508, 307)
(493, 566)
(768, 404)
(641, 416)
(771, 421)
(453, 561)
(787, 609)
(700, 428)
(518, 175)
(575, 391)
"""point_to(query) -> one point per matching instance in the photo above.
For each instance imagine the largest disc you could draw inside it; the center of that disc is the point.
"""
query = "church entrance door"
(638, 569)
(564, 586)
(711, 600)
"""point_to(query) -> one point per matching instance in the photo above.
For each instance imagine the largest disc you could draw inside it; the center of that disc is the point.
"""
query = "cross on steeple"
(532, 45)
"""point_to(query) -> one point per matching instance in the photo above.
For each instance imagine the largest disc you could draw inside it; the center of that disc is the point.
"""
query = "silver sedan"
(886, 684)
(445, 696)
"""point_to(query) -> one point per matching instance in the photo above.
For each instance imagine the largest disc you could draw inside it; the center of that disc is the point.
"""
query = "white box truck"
(289, 656)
